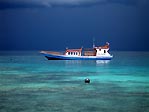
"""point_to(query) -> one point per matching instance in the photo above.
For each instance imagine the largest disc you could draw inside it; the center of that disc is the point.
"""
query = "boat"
(95, 53)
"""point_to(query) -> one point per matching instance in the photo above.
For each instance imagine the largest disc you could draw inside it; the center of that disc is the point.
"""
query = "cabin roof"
(73, 50)
(103, 47)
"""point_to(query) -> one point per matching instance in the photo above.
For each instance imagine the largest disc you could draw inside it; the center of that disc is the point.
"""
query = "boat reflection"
(100, 62)
(73, 62)
(85, 62)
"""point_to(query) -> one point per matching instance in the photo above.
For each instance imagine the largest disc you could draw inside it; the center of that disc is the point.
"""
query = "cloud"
(5, 4)
(46, 3)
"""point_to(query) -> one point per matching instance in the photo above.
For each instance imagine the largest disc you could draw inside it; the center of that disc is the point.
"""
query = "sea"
(31, 83)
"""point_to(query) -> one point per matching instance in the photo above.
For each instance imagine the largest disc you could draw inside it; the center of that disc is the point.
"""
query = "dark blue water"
(31, 83)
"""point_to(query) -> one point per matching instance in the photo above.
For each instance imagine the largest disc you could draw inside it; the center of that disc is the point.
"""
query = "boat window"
(76, 53)
(104, 51)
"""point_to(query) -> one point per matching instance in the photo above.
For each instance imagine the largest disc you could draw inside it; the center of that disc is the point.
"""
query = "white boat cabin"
(103, 50)
(96, 51)
(73, 52)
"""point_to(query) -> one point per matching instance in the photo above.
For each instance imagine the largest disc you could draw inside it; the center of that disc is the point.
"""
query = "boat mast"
(93, 42)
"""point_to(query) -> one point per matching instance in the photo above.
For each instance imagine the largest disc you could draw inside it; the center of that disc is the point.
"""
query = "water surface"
(31, 83)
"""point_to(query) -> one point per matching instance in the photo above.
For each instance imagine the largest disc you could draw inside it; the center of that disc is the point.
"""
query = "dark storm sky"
(57, 24)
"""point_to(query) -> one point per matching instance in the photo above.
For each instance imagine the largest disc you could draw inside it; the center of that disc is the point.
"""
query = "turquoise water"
(31, 83)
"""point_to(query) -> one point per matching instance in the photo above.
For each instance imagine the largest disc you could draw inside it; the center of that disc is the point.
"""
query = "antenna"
(93, 42)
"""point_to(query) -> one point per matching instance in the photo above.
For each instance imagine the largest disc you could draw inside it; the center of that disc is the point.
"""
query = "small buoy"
(87, 80)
